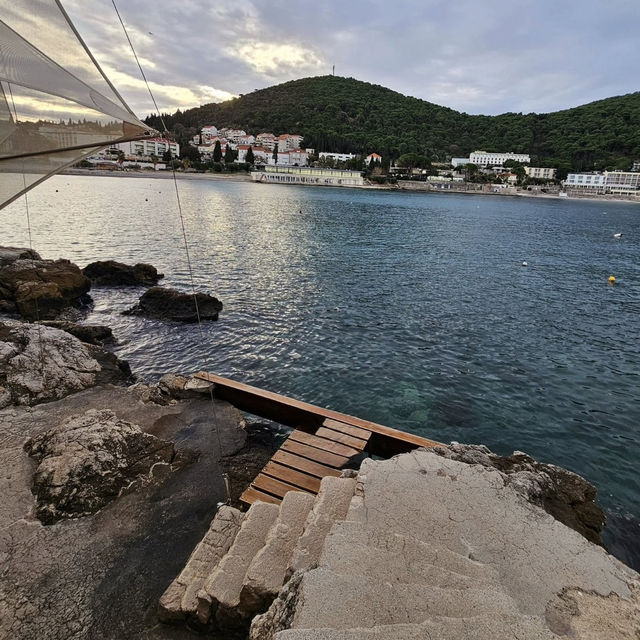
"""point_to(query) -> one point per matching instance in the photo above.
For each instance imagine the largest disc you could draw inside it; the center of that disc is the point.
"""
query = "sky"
(477, 56)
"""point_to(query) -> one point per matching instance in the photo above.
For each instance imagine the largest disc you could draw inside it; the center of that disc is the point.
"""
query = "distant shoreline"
(415, 188)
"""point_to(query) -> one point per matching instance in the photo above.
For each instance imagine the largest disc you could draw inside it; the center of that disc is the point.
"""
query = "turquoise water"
(412, 310)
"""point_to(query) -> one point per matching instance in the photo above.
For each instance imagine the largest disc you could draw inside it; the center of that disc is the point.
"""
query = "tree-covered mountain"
(347, 115)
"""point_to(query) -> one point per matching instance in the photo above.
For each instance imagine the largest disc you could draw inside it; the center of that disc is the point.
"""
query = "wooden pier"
(323, 442)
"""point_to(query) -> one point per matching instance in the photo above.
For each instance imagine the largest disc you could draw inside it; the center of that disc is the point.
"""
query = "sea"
(409, 309)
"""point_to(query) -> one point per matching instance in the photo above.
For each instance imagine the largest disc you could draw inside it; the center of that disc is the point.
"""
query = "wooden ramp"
(323, 442)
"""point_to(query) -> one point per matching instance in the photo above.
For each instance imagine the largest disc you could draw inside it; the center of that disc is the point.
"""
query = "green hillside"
(347, 115)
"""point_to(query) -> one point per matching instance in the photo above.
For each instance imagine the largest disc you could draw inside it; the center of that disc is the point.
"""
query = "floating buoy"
(612, 279)
(524, 264)
(617, 235)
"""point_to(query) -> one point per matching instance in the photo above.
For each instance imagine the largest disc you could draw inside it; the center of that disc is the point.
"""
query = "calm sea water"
(411, 310)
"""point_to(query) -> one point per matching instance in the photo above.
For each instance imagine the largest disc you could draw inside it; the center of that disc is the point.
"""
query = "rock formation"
(567, 496)
(170, 304)
(91, 334)
(109, 273)
(37, 288)
(87, 460)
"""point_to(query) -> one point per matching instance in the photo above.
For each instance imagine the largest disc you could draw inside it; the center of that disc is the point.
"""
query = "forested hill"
(344, 114)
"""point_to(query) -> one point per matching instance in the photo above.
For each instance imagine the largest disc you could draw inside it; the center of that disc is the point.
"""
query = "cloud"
(473, 56)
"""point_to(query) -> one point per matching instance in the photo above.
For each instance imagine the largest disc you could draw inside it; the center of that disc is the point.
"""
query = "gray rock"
(38, 363)
(110, 273)
(88, 460)
(565, 495)
(91, 334)
(170, 304)
(39, 289)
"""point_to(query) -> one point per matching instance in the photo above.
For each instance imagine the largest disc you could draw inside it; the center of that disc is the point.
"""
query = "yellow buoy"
(612, 279)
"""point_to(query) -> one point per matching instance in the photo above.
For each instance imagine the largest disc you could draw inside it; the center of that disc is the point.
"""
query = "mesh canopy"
(56, 104)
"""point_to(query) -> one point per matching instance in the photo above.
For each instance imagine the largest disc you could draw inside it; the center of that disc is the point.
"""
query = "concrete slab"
(223, 586)
(332, 503)
(476, 628)
(342, 602)
(267, 571)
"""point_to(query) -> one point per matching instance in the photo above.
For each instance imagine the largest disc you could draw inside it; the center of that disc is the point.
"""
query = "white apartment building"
(260, 154)
(457, 162)
(621, 182)
(266, 140)
(233, 135)
(148, 147)
(543, 173)
(338, 157)
(289, 141)
(489, 159)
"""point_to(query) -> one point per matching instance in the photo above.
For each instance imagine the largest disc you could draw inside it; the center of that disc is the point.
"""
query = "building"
(636, 166)
(309, 175)
(260, 154)
(372, 156)
(148, 147)
(266, 140)
(338, 157)
(618, 182)
(459, 162)
(542, 173)
(289, 141)
(490, 159)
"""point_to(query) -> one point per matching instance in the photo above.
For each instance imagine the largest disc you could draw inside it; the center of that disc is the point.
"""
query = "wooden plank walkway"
(323, 442)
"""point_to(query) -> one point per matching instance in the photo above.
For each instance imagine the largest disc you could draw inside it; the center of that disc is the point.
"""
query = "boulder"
(37, 288)
(563, 494)
(86, 462)
(91, 334)
(109, 273)
(39, 363)
(170, 304)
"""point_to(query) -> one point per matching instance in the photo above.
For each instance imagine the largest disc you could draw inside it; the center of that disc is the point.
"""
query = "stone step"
(332, 503)
(222, 588)
(336, 601)
(416, 553)
(507, 627)
(179, 600)
(267, 571)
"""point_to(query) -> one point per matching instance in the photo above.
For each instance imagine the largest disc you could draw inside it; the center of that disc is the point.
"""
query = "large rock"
(39, 363)
(96, 334)
(86, 461)
(36, 288)
(170, 304)
(110, 273)
(565, 495)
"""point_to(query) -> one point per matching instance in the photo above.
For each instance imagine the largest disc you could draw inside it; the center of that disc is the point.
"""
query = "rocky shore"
(109, 485)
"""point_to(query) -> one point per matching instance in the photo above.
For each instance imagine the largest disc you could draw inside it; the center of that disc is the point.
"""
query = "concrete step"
(415, 554)
(336, 601)
(222, 588)
(267, 571)
(506, 627)
(332, 503)
(179, 600)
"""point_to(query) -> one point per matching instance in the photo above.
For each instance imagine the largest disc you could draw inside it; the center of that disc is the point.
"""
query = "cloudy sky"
(478, 56)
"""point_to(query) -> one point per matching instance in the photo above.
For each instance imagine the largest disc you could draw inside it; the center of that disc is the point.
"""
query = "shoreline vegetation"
(403, 185)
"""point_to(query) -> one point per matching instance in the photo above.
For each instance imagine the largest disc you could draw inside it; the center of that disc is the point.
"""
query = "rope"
(184, 237)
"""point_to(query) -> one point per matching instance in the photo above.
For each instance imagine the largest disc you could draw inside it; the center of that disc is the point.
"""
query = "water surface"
(412, 310)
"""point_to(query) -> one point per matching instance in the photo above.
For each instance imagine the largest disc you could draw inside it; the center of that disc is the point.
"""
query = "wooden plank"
(321, 443)
(302, 464)
(251, 495)
(342, 438)
(273, 486)
(343, 427)
(292, 476)
(308, 417)
(317, 455)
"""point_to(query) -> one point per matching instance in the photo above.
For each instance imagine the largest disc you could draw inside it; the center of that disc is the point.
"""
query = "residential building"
(372, 156)
(289, 141)
(542, 173)
(309, 175)
(260, 154)
(486, 158)
(460, 162)
(591, 181)
(233, 135)
(148, 147)
(338, 157)
(209, 130)
(636, 166)
(620, 182)
(266, 140)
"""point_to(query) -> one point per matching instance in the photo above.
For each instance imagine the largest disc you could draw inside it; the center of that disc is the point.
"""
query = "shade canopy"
(56, 104)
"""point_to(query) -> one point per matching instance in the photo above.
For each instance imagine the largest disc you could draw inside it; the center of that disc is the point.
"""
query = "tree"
(120, 157)
(470, 171)
(249, 158)
(275, 153)
(217, 152)
(167, 156)
(229, 155)
(155, 160)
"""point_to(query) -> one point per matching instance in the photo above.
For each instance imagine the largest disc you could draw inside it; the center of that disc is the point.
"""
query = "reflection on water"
(411, 310)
